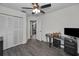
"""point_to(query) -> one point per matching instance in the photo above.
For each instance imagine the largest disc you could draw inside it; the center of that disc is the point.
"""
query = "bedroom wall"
(56, 21)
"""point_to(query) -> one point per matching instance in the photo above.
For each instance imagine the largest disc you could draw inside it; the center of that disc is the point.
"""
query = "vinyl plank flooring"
(34, 48)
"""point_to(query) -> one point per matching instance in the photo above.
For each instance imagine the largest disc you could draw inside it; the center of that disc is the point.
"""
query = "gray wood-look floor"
(34, 48)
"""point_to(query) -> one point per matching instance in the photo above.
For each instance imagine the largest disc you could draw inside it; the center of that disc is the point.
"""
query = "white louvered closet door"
(11, 28)
(15, 34)
(9, 32)
(3, 29)
(18, 32)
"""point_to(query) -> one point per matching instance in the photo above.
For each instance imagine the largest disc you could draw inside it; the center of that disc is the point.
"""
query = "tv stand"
(70, 46)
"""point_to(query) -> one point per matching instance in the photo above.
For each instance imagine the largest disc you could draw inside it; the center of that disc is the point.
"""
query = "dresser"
(70, 46)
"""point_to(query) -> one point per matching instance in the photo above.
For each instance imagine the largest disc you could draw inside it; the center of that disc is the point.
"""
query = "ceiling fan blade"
(23, 11)
(47, 5)
(42, 11)
(33, 13)
(26, 8)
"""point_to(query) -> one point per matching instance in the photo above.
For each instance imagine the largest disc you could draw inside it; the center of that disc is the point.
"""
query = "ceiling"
(54, 6)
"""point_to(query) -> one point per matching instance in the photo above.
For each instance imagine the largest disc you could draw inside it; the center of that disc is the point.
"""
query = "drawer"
(69, 43)
(69, 46)
(70, 50)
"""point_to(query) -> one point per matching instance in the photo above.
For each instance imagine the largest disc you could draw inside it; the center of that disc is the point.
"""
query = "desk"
(59, 41)
(50, 36)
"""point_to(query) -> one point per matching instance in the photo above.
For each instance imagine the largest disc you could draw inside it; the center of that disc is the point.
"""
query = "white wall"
(58, 20)
(7, 12)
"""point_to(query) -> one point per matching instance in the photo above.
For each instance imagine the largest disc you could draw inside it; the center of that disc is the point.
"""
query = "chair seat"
(56, 42)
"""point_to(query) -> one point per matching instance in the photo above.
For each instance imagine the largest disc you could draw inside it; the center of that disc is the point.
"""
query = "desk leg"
(49, 42)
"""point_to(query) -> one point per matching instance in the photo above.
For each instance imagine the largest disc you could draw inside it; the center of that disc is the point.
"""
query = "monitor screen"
(71, 32)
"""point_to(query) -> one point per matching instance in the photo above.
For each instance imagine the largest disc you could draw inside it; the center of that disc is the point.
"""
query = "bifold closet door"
(11, 28)
(15, 31)
(3, 29)
(18, 31)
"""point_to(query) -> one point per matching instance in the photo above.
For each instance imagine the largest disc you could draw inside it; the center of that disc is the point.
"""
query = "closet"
(11, 28)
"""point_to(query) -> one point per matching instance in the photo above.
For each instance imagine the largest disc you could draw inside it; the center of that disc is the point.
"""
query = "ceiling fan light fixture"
(36, 11)
(36, 8)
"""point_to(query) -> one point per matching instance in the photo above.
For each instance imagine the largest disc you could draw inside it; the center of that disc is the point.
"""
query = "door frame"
(31, 27)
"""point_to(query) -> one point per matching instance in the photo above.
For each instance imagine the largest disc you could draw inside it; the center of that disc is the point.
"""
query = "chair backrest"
(56, 34)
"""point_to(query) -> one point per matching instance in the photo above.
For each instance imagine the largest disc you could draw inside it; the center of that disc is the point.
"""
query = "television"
(71, 32)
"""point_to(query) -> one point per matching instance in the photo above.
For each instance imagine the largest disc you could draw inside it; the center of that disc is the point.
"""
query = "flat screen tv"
(71, 32)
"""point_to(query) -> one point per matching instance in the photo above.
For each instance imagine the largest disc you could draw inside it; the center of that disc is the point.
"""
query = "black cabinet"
(1, 46)
(56, 42)
(70, 46)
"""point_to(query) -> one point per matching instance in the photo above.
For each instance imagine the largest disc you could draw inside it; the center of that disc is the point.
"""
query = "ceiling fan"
(37, 9)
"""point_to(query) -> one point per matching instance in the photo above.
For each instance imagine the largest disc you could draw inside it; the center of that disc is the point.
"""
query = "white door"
(3, 29)
(11, 28)
(39, 31)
